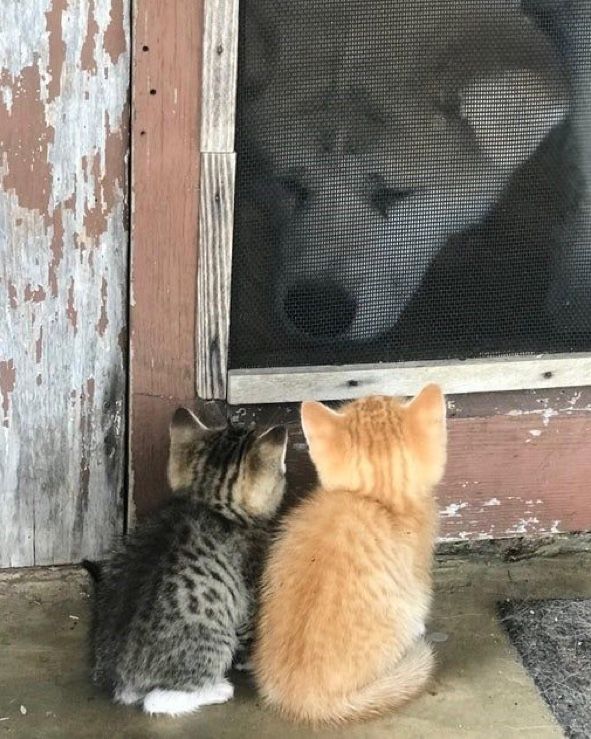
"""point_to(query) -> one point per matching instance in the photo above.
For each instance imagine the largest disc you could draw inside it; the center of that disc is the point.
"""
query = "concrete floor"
(481, 689)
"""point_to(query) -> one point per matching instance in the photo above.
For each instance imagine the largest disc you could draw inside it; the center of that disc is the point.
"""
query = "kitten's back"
(348, 583)
(173, 604)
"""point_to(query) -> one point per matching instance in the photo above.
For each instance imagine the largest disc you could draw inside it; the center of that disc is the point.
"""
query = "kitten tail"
(93, 568)
(407, 679)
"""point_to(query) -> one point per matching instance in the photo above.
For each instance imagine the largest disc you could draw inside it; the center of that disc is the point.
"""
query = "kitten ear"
(264, 480)
(186, 426)
(270, 448)
(318, 420)
(185, 430)
(429, 405)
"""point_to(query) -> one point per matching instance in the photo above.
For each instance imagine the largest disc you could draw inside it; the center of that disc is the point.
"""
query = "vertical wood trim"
(220, 65)
(218, 119)
(214, 274)
(165, 210)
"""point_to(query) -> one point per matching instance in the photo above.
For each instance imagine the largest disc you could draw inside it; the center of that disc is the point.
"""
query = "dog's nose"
(320, 309)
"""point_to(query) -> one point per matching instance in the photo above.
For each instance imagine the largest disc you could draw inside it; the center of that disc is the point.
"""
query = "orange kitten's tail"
(406, 680)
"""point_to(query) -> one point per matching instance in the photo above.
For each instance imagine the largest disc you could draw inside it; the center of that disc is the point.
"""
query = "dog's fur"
(378, 147)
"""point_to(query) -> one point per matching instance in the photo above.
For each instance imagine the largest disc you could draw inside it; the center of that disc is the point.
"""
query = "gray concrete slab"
(481, 689)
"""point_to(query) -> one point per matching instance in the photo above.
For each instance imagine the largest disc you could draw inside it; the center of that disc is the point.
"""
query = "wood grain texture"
(220, 66)
(165, 214)
(64, 82)
(215, 273)
(519, 463)
(517, 476)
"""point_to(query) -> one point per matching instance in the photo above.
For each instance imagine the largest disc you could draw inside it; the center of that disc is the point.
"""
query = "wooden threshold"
(293, 384)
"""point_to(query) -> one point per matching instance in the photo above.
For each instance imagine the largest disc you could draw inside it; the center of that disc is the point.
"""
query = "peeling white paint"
(546, 412)
(492, 502)
(453, 510)
(67, 408)
(523, 526)
(535, 432)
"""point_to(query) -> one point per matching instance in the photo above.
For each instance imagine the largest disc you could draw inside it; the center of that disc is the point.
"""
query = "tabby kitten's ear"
(265, 473)
(185, 430)
(186, 427)
(320, 425)
(270, 448)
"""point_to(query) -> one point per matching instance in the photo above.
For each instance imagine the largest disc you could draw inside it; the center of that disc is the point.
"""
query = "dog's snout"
(319, 308)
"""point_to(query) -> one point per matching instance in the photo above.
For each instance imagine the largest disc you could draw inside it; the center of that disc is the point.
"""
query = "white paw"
(180, 702)
(171, 702)
(219, 693)
(126, 696)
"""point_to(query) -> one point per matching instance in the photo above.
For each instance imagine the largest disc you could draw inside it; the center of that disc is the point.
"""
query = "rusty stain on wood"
(7, 383)
(64, 114)
(103, 321)
(34, 295)
(87, 55)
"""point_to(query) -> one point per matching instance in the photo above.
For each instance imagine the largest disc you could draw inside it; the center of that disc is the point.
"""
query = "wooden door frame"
(165, 164)
(520, 462)
(215, 380)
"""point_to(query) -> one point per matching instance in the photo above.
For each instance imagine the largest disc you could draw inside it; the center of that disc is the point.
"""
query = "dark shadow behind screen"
(411, 181)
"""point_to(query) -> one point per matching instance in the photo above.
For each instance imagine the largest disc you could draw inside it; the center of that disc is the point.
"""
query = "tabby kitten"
(173, 605)
(347, 585)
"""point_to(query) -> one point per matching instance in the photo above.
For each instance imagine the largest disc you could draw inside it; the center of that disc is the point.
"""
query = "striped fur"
(174, 603)
(347, 585)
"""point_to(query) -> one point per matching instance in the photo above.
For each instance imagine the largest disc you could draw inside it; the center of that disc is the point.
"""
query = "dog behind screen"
(377, 146)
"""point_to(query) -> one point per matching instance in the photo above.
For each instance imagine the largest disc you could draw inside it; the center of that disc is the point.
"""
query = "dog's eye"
(383, 199)
(298, 192)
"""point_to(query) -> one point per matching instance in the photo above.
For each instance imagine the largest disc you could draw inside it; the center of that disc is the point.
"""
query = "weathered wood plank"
(294, 384)
(517, 475)
(64, 72)
(218, 114)
(520, 467)
(518, 464)
(220, 66)
(165, 215)
(216, 221)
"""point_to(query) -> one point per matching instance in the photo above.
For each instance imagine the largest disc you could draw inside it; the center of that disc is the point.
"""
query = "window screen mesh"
(411, 180)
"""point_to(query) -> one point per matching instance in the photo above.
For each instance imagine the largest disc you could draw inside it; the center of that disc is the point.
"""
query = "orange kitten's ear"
(429, 405)
(186, 427)
(318, 421)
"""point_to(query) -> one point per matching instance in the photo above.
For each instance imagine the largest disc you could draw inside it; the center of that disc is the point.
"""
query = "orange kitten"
(347, 587)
